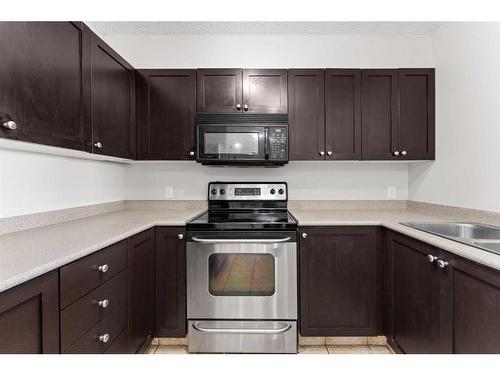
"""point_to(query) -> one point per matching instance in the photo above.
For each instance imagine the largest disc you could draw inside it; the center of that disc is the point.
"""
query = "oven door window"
(243, 274)
(232, 143)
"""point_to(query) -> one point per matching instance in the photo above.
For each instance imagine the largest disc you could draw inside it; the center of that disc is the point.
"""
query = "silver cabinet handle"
(396, 153)
(180, 236)
(403, 153)
(9, 124)
(245, 107)
(442, 263)
(98, 145)
(191, 153)
(304, 235)
(238, 106)
(104, 268)
(104, 338)
(103, 303)
(329, 153)
(431, 258)
(322, 153)
(241, 240)
(285, 328)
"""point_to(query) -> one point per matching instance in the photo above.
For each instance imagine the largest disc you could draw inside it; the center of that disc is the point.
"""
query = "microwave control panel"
(277, 143)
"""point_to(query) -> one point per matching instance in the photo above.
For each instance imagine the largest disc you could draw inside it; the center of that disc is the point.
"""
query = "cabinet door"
(112, 103)
(166, 105)
(379, 123)
(219, 90)
(416, 114)
(338, 281)
(141, 268)
(29, 317)
(420, 292)
(476, 307)
(306, 120)
(265, 91)
(170, 294)
(43, 82)
(343, 114)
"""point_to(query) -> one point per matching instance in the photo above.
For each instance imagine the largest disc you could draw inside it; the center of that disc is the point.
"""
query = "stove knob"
(272, 191)
(214, 191)
(222, 191)
(281, 191)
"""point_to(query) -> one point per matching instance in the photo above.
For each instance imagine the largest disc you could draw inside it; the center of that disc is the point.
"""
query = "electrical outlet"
(169, 192)
(391, 192)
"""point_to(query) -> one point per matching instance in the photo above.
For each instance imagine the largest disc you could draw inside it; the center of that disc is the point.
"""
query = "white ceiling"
(252, 28)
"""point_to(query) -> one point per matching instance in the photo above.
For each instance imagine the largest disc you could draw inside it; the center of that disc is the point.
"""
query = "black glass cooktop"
(244, 219)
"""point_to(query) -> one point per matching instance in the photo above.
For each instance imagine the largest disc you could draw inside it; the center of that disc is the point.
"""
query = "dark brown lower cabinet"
(476, 307)
(29, 317)
(170, 293)
(419, 299)
(141, 266)
(338, 281)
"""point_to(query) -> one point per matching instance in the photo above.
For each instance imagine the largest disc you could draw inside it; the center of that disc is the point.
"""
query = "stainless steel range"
(242, 271)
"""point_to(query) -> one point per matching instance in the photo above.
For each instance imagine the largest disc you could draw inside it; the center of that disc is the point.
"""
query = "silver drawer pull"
(104, 338)
(242, 330)
(241, 240)
(104, 303)
(104, 268)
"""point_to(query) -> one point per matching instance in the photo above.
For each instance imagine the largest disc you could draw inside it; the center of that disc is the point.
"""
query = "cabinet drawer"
(112, 324)
(84, 275)
(80, 316)
(120, 345)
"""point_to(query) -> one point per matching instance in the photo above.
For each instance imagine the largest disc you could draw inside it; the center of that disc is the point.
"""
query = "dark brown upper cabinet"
(343, 114)
(170, 293)
(141, 271)
(306, 115)
(338, 281)
(379, 124)
(219, 90)
(166, 109)
(44, 83)
(265, 91)
(112, 111)
(420, 294)
(416, 114)
(242, 90)
(29, 317)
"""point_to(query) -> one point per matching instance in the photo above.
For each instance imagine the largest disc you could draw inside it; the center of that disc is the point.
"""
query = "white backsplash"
(306, 180)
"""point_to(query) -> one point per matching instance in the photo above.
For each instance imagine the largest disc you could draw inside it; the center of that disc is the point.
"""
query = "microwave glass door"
(232, 143)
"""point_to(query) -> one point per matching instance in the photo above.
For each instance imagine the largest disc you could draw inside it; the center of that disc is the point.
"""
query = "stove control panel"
(241, 191)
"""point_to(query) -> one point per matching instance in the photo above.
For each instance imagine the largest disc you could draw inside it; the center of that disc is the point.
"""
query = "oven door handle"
(272, 331)
(241, 240)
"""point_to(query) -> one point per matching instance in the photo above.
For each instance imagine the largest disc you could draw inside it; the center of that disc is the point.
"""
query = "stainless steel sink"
(478, 235)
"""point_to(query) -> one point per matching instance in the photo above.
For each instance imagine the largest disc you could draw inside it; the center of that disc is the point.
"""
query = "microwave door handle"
(266, 139)
(241, 240)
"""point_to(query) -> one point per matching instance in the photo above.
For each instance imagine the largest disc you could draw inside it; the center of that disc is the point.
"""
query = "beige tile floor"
(310, 349)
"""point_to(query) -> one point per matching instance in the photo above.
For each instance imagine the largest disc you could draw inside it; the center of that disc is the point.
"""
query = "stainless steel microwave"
(242, 139)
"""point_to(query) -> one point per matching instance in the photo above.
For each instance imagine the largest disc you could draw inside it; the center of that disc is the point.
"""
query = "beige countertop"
(27, 254)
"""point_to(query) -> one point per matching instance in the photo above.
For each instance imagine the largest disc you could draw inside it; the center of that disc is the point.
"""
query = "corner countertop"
(391, 219)
(27, 254)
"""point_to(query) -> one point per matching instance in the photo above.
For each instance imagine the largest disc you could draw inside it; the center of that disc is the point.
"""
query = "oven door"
(231, 143)
(242, 276)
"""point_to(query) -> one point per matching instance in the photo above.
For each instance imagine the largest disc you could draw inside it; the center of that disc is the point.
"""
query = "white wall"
(272, 51)
(466, 172)
(307, 180)
(32, 182)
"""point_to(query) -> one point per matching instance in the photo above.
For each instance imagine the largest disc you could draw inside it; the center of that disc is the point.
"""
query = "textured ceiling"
(252, 28)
